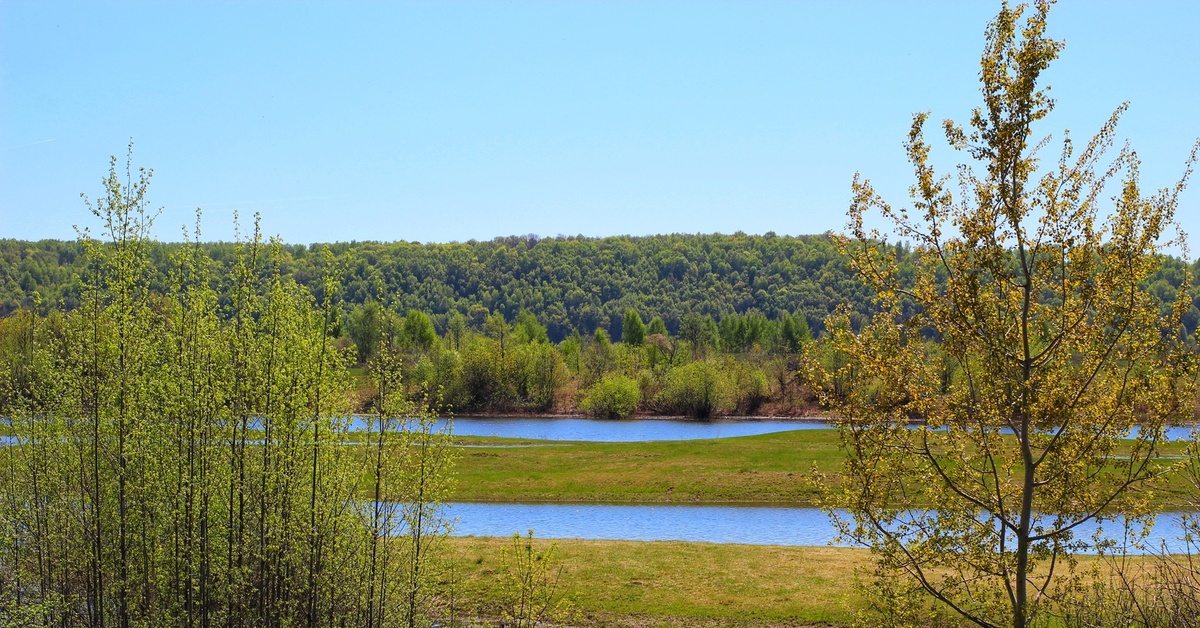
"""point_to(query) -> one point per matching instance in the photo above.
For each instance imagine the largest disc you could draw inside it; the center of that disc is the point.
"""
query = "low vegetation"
(770, 468)
(635, 584)
(613, 397)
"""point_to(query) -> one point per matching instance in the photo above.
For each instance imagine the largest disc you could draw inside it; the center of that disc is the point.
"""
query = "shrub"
(698, 390)
(613, 397)
(543, 372)
(751, 388)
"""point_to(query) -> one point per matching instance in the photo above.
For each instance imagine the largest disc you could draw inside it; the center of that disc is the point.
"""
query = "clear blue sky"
(441, 121)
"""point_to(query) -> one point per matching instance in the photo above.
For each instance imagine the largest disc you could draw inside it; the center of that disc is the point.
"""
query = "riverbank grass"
(636, 584)
(766, 469)
(629, 583)
(754, 469)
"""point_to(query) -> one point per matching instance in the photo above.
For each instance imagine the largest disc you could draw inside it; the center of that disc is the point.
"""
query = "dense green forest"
(695, 325)
(572, 284)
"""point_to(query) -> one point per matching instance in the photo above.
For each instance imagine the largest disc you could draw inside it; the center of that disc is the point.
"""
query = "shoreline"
(550, 416)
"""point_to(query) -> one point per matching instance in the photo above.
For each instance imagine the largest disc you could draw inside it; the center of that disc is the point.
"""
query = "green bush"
(750, 385)
(698, 390)
(488, 375)
(542, 373)
(613, 397)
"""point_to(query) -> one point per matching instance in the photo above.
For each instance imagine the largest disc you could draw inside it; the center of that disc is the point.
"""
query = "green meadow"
(770, 468)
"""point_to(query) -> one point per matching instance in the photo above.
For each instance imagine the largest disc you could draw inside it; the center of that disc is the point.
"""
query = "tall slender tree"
(1062, 352)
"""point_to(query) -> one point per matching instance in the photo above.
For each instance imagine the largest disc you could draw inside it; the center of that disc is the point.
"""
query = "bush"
(751, 388)
(543, 372)
(533, 595)
(698, 390)
(487, 375)
(613, 397)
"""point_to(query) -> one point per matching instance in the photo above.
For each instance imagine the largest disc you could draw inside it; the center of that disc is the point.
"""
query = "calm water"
(624, 431)
(708, 524)
(616, 431)
(638, 430)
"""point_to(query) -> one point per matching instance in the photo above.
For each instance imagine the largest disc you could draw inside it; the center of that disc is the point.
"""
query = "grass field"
(672, 584)
(636, 584)
(770, 468)
(767, 468)
(625, 583)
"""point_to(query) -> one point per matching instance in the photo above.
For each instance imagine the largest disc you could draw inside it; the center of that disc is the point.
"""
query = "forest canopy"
(571, 283)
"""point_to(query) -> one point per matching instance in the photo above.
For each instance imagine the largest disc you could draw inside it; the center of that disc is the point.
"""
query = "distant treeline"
(572, 284)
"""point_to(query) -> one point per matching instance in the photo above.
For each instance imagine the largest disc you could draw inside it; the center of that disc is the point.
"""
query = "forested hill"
(569, 283)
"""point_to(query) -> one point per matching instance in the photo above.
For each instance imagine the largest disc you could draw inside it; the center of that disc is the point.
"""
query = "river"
(751, 525)
(639, 430)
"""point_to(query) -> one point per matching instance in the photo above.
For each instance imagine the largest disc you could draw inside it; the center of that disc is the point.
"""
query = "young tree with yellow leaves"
(1069, 370)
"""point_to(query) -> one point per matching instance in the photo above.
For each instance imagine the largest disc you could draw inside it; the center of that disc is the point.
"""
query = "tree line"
(707, 369)
(574, 284)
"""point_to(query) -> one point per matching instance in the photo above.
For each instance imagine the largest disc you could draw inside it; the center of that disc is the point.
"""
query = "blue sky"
(444, 121)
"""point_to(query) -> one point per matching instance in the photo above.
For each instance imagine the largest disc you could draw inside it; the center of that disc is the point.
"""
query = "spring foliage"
(613, 397)
(177, 460)
(1059, 351)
